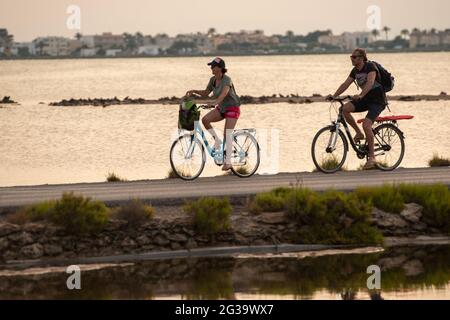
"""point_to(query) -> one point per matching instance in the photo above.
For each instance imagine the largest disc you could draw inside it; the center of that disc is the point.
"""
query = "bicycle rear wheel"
(187, 157)
(245, 158)
(326, 158)
(389, 146)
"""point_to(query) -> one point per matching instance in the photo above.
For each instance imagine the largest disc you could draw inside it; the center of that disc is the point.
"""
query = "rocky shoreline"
(275, 98)
(171, 229)
(7, 100)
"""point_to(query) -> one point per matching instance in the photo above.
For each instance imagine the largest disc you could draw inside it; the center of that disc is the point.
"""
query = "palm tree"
(404, 33)
(386, 30)
(375, 33)
(211, 31)
(139, 37)
(130, 41)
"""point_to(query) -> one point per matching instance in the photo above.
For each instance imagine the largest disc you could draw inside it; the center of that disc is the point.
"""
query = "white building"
(106, 40)
(424, 39)
(347, 40)
(52, 46)
(88, 52)
(23, 47)
(149, 50)
(113, 52)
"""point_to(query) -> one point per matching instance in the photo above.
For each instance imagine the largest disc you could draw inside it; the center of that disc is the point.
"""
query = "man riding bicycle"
(372, 99)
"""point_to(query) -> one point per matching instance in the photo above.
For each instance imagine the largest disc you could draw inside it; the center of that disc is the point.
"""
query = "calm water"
(406, 273)
(41, 144)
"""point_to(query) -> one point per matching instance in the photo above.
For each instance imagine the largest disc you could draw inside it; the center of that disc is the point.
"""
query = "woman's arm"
(201, 93)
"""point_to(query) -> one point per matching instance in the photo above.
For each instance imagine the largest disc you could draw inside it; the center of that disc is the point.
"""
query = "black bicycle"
(330, 145)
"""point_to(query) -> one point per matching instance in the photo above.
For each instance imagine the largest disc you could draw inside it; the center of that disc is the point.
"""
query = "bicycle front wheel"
(389, 146)
(245, 158)
(187, 157)
(329, 149)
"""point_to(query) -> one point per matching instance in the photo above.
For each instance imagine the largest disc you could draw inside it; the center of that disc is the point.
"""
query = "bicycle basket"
(187, 115)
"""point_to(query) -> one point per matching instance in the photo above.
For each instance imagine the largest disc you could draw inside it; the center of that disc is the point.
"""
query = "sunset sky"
(27, 19)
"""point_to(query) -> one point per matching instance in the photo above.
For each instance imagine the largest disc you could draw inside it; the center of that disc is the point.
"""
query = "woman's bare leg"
(212, 116)
(230, 124)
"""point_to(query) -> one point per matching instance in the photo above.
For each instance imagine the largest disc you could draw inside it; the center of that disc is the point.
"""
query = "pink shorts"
(230, 112)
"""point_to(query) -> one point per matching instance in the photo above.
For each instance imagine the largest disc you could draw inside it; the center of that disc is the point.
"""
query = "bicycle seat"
(390, 118)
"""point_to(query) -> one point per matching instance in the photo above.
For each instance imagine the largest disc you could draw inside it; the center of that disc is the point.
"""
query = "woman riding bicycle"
(226, 103)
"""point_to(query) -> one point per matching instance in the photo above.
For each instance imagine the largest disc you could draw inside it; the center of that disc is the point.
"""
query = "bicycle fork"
(333, 138)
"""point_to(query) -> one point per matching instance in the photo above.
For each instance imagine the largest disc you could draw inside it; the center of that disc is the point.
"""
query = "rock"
(419, 226)
(115, 224)
(33, 251)
(189, 232)
(412, 212)
(175, 246)
(33, 227)
(143, 240)
(8, 228)
(4, 243)
(160, 241)
(178, 237)
(391, 262)
(128, 242)
(273, 218)
(259, 242)
(191, 244)
(21, 238)
(52, 249)
(388, 220)
(413, 268)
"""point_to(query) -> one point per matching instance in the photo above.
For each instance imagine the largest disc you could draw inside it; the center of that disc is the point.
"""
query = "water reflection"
(411, 272)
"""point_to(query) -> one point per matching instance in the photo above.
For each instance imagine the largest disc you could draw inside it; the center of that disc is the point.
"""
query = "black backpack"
(387, 81)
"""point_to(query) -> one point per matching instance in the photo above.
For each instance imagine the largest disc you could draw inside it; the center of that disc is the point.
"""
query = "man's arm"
(343, 87)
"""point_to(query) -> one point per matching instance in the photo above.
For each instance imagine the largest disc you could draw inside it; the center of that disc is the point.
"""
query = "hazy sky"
(27, 19)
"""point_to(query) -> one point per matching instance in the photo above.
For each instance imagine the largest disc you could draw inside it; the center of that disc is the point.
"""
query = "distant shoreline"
(238, 54)
(291, 99)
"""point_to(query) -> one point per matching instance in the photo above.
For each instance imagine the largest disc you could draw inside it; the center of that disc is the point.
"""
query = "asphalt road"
(173, 190)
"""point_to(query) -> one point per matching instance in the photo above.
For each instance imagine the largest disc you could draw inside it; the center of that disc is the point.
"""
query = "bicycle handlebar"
(204, 106)
(339, 99)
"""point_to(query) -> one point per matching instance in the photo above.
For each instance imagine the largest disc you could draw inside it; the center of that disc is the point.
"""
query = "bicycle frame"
(198, 131)
(361, 153)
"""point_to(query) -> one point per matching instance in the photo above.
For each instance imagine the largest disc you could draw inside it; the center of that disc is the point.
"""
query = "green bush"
(332, 217)
(330, 163)
(438, 161)
(76, 214)
(270, 202)
(435, 200)
(386, 197)
(210, 215)
(135, 212)
(112, 177)
(79, 215)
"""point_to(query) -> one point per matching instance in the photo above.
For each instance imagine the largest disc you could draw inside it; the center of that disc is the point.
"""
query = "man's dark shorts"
(375, 108)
